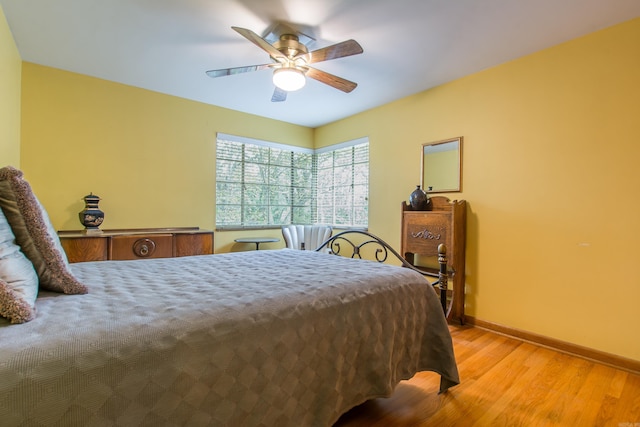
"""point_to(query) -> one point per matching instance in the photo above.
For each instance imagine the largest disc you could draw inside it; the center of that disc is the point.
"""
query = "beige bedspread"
(261, 338)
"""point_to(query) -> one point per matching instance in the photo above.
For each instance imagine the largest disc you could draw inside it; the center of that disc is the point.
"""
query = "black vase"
(419, 200)
(91, 216)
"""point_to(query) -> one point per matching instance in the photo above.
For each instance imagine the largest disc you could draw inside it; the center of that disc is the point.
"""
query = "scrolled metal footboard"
(340, 244)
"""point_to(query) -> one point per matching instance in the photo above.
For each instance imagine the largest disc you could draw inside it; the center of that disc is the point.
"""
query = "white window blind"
(261, 184)
(342, 174)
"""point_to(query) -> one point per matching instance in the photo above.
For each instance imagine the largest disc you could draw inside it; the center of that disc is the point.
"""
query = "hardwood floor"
(507, 382)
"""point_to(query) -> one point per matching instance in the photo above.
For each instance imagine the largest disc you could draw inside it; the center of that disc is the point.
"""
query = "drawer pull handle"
(144, 248)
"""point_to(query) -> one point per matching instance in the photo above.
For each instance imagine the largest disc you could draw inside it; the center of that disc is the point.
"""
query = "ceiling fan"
(290, 62)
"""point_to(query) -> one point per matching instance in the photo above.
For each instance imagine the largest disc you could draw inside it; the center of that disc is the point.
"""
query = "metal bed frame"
(382, 250)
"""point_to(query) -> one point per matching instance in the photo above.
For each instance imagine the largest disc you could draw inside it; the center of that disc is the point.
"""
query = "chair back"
(305, 237)
(293, 236)
(315, 235)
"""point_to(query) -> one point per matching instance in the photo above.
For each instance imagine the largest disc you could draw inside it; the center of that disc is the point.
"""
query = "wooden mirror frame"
(445, 158)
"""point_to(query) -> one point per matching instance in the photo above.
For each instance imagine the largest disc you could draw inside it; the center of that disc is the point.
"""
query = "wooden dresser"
(138, 243)
(424, 231)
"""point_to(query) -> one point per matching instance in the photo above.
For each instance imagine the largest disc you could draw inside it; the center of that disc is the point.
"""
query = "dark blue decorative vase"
(419, 200)
(91, 216)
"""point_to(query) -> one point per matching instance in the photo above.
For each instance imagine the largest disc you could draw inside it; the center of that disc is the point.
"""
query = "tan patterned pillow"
(18, 279)
(35, 234)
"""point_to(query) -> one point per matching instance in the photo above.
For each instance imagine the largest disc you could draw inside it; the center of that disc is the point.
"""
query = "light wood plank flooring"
(507, 382)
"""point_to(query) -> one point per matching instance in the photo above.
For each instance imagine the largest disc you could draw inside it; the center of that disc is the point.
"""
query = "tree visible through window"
(261, 184)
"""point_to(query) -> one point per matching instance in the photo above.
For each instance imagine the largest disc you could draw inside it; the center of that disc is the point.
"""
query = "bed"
(259, 338)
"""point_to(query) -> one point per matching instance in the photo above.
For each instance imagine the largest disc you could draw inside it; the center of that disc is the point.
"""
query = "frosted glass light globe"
(289, 79)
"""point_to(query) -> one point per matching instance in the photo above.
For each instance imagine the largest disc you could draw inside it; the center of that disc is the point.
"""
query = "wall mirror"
(442, 166)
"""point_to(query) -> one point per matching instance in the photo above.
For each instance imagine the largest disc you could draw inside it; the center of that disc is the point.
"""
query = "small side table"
(257, 240)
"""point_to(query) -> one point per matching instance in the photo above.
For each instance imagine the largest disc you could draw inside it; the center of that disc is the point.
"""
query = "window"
(342, 173)
(261, 184)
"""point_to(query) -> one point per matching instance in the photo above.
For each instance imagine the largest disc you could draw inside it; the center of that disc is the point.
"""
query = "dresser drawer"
(141, 246)
(188, 244)
(79, 249)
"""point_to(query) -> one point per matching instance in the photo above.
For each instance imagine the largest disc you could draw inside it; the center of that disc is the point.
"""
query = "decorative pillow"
(18, 279)
(35, 234)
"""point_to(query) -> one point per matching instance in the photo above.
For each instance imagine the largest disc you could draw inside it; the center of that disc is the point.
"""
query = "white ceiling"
(409, 45)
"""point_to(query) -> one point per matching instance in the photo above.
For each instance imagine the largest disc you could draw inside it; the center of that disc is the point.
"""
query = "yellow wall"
(550, 173)
(150, 157)
(10, 68)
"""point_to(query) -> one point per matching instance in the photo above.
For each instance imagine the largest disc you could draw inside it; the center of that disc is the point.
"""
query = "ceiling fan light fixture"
(289, 79)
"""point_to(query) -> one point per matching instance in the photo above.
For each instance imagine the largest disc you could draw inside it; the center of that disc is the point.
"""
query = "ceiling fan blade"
(237, 70)
(279, 95)
(338, 50)
(331, 80)
(260, 42)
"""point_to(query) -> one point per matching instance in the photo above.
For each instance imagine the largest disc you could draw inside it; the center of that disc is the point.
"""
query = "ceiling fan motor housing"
(290, 46)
